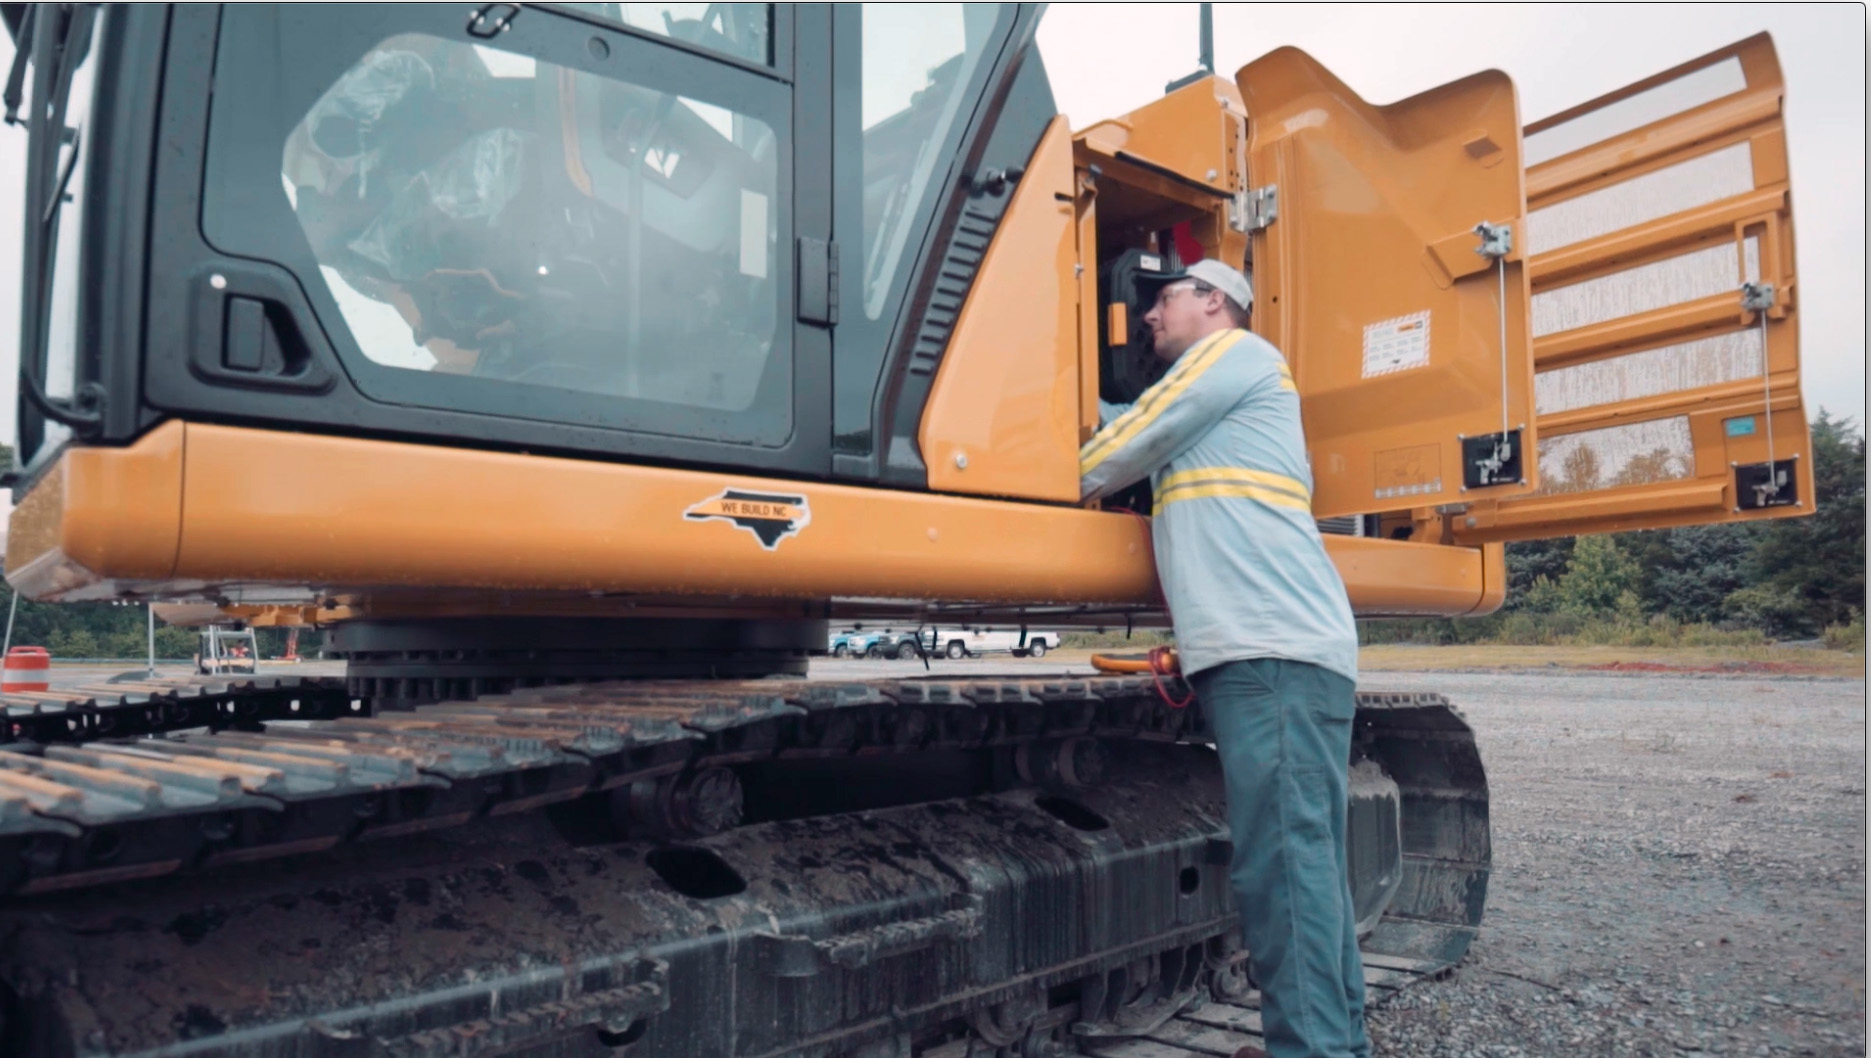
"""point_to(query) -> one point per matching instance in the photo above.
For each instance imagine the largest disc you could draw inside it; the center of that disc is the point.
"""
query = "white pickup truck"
(975, 642)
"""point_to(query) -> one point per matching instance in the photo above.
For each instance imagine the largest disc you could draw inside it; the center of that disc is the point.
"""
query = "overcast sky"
(1106, 59)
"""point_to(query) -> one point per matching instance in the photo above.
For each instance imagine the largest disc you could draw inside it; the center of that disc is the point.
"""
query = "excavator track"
(204, 805)
(76, 814)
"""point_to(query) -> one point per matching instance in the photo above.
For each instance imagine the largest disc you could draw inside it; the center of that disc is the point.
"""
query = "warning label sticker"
(771, 517)
(1396, 345)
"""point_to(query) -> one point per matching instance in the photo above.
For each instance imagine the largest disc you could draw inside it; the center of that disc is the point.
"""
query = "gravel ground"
(1679, 867)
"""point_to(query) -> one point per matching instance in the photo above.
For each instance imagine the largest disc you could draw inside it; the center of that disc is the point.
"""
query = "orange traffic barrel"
(27, 669)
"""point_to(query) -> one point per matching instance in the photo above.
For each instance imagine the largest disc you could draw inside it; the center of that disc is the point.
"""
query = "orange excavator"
(575, 367)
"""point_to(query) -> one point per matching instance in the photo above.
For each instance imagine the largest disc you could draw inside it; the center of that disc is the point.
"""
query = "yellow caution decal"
(771, 517)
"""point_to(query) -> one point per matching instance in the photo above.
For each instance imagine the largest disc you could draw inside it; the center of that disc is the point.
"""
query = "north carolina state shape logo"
(770, 516)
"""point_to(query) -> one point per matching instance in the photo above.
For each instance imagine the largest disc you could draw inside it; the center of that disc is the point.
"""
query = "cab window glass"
(67, 219)
(477, 212)
(917, 62)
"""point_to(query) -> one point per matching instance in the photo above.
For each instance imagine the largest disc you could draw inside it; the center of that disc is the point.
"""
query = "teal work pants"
(1283, 731)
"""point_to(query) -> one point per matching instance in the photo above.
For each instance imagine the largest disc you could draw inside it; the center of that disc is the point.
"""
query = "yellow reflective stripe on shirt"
(1286, 376)
(1241, 475)
(1127, 426)
(1271, 497)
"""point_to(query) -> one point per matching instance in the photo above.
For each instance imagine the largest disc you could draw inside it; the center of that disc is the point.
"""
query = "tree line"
(113, 630)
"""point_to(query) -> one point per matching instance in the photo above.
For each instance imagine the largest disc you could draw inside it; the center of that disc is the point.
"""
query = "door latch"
(1492, 459)
(1759, 486)
(1497, 240)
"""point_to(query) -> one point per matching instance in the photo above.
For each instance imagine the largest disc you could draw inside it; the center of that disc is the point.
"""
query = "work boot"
(1250, 1051)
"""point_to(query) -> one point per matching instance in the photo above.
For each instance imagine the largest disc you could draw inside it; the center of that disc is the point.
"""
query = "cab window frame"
(779, 64)
(864, 344)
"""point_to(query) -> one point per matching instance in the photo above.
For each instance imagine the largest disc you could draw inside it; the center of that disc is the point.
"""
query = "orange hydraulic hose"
(1160, 663)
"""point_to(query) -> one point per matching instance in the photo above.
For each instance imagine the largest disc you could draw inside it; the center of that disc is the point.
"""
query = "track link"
(1218, 1030)
(125, 708)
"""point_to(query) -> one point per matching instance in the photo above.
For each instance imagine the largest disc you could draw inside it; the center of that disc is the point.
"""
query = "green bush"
(1141, 639)
(1766, 606)
(1707, 635)
(1849, 636)
(73, 643)
(1564, 628)
(1600, 580)
(1526, 629)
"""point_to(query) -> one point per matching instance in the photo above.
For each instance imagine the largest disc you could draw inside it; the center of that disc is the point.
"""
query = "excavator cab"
(589, 228)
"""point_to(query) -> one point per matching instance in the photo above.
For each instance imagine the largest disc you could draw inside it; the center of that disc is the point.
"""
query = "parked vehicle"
(876, 645)
(893, 644)
(957, 643)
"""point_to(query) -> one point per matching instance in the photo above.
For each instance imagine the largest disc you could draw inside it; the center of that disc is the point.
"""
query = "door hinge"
(996, 181)
(817, 269)
(491, 20)
(1254, 209)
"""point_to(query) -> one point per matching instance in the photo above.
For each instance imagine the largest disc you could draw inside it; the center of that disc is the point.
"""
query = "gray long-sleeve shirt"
(1237, 550)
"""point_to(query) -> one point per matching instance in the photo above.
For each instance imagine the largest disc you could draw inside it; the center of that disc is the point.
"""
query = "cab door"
(1664, 309)
(1387, 259)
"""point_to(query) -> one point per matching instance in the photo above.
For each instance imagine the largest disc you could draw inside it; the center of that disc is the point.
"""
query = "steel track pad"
(823, 934)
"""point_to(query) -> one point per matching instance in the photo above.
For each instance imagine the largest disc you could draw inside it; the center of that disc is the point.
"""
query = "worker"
(1264, 634)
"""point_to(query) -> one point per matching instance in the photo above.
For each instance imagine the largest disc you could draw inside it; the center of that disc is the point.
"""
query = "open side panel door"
(1409, 345)
(1660, 230)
